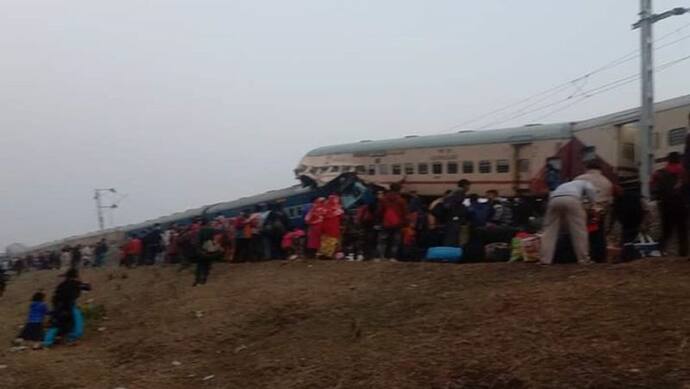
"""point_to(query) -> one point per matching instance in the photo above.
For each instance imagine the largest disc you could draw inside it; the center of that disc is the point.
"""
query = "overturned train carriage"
(511, 160)
(291, 201)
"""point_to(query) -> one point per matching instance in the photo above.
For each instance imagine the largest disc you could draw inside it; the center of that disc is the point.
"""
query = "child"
(33, 330)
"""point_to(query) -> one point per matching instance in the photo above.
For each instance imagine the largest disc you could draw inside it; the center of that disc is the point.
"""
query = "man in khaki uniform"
(602, 185)
(600, 208)
(566, 209)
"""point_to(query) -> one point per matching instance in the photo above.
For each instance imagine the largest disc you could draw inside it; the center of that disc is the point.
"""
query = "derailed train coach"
(291, 201)
(526, 159)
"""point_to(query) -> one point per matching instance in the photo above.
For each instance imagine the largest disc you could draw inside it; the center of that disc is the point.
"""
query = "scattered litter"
(18, 348)
(101, 329)
(199, 314)
(634, 370)
(209, 377)
(177, 363)
(191, 375)
(240, 348)
(413, 285)
(3, 367)
(89, 301)
(120, 387)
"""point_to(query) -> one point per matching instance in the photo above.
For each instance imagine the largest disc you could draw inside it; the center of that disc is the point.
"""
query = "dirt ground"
(368, 325)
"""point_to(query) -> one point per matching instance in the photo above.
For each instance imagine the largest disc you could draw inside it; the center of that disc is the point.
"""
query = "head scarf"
(317, 212)
(333, 207)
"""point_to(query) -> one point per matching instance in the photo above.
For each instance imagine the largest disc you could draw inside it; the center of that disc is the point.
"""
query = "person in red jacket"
(392, 211)
(670, 187)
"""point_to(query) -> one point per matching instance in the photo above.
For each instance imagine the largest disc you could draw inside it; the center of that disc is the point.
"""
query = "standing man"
(566, 208)
(669, 186)
(209, 251)
(101, 250)
(599, 210)
(392, 211)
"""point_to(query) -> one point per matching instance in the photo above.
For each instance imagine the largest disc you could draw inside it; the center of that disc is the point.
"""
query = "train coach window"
(361, 169)
(437, 168)
(467, 167)
(422, 168)
(484, 166)
(372, 170)
(409, 168)
(397, 169)
(677, 136)
(502, 166)
(452, 168)
(383, 169)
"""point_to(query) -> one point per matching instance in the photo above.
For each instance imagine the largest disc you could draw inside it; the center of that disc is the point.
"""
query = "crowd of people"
(68, 257)
(395, 225)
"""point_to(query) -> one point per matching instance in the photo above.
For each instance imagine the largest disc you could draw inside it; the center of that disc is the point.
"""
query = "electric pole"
(647, 20)
(97, 194)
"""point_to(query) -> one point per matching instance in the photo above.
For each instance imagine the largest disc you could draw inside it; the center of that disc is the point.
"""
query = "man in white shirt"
(566, 208)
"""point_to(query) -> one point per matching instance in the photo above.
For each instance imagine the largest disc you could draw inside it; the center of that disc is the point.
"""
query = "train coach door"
(628, 151)
(523, 153)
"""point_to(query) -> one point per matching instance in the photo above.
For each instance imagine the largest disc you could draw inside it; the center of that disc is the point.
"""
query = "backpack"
(391, 219)
(210, 247)
(666, 186)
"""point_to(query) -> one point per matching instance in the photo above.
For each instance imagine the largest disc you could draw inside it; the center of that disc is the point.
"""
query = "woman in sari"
(330, 229)
(314, 220)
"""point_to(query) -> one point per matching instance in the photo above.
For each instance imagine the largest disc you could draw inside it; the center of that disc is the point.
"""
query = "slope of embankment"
(368, 325)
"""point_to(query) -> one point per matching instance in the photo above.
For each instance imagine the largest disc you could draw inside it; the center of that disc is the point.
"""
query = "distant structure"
(15, 249)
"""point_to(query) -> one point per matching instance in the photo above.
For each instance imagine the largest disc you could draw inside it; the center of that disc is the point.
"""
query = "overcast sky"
(180, 103)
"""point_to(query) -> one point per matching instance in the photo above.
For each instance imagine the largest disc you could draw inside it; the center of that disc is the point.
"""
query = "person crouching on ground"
(67, 318)
(566, 208)
(33, 329)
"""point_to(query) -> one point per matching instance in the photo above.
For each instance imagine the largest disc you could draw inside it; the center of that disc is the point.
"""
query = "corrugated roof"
(505, 135)
(632, 114)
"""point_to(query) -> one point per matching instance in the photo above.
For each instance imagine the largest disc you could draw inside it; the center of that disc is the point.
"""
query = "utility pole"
(97, 194)
(647, 20)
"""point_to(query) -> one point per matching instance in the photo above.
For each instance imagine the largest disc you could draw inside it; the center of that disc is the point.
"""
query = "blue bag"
(444, 254)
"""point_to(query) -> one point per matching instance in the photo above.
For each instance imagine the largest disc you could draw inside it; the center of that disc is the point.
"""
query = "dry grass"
(366, 325)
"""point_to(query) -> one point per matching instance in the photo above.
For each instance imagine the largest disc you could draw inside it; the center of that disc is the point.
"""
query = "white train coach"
(510, 160)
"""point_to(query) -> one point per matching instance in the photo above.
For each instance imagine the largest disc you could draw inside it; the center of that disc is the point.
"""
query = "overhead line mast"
(647, 19)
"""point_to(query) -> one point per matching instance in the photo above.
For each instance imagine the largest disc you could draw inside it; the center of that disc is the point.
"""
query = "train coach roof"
(631, 115)
(505, 135)
(267, 197)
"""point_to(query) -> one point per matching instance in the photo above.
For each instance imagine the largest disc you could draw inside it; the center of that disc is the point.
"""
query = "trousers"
(565, 211)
